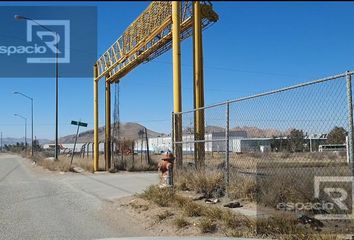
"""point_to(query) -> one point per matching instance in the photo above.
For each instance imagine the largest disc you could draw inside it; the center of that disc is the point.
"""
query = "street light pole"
(18, 17)
(24, 95)
(56, 97)
(18, 115)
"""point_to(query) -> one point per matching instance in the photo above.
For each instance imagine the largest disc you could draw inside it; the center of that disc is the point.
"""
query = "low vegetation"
(208, 182)
(163, 197)
(207, 225)
(181, 222)
(162, 216)
(44, 158)
(216, 219)
(212, 218)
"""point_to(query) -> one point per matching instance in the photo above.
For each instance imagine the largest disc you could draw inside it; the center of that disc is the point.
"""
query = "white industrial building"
(238, 142)
(68, 147)
(242, 145)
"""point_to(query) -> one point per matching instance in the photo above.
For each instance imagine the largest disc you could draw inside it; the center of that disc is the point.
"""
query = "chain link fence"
(281, 149)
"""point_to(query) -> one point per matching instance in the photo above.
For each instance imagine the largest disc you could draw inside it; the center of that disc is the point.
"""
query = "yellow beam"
(177, 95)
(143, 56)
(108, 127)
(140, 37)
(134, 50)
(199, 128)
(95, 124)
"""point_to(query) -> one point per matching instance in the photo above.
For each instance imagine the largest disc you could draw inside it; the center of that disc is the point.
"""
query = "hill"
(252, 132)
(128, 131)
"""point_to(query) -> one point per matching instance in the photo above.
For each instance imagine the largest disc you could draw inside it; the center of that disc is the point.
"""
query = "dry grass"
(189, 208)
(213, 218)
(277, 225)
(265, 178)
(63, 162)
(139, 207)
(162, 216)
(86, 163)
(181, 222)
(136, 164)
(207, 182)
(243, 187)
(60, 165)
(234, 221)
(309, 236)
(257, 160)
(163, 197)
(207, 225)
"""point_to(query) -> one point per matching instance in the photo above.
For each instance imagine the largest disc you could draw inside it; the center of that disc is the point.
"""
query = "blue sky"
(255, 46)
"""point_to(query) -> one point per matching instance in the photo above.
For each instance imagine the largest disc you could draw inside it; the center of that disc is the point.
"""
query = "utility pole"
(56, 97)
(0, 141)
(95, 117)
(18, 17)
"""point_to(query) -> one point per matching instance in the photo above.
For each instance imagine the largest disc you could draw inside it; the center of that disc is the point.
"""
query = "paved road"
(40, 205)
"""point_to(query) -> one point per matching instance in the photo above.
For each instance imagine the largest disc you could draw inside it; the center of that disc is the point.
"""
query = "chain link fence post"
(350, 118)
(173, 133)
(227, 149)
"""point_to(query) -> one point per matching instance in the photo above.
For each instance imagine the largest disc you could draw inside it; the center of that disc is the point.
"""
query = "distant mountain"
(128, 131)
(9, 141)
(211, 129)
(254, 132)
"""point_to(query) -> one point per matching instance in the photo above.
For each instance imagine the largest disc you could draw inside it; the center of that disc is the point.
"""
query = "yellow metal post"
(199, 128)
(95, 116)
(177, 95)
(108, 127)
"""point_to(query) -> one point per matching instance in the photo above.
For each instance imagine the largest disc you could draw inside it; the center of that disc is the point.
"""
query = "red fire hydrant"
(166, 168)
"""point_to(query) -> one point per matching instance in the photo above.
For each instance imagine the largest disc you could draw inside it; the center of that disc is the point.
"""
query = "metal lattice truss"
(149, 36)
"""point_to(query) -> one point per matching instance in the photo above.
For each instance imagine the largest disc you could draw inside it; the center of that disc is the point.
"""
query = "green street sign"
(81, 124)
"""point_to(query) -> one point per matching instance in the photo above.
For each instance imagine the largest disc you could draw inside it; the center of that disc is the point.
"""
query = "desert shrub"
(207, 225)
(162, 216)
(161, 196)
(181, 222)
(276, 225)
(243, 187)
(234, 221)
(192, 209)
(207, 182)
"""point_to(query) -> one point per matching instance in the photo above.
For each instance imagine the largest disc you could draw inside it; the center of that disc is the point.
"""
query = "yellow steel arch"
(150, 35)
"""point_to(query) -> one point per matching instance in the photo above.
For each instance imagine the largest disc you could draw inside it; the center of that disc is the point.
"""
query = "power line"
(231, 69)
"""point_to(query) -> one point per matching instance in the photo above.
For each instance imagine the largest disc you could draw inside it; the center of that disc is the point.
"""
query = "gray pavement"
(38, 204)
(108, 186)
(52, 206)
